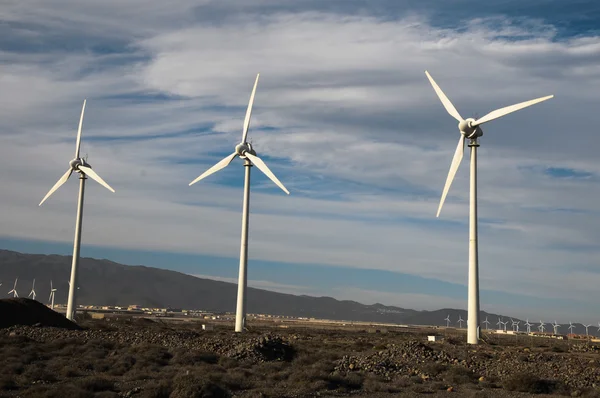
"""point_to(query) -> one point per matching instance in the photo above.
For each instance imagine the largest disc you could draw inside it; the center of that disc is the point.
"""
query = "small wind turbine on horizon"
(571, 327)
(499, 324)
(460, 321)
(52, 292)
(245, 151)
(470, 128)
(541, 327)
(14, 289)
(81, 166)
(528, 326)
(32, 293)
(504, 324)
(447, 319)
(486, 322)
(515, 325)
(555, 326)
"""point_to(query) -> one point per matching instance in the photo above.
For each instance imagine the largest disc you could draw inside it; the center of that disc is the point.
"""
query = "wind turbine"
(460, 321)
(32, 293)
(447, 319)
(555, 325)
(571, 327)
(499, 324)
(504, 324)
(515, 325)
(14, 289)
(245, 151)
(486, 322)
(528, 326)
(470, 128)
(52, 292)
(81, 166)
(586, 329)
(541, 327)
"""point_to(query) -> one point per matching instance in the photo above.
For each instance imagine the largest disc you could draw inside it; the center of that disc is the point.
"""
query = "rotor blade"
(61, 181)
(509, 109)
(458, 155)
(92, 174)
(79, 132)
(445, 101)
(50, 298)
(249, 111)
(221, 165)
(263, 167)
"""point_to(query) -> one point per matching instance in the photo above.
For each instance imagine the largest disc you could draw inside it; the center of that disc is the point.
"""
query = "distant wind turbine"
(14, 289)
(245, 151)
(541, 327)
(571, 327)
(555, 325)
(499, 324)
(81, 166)
(32, 293)
(515, 325)
(528, 326)
(460, 321)
(504, 324)
(487, 323)
(447, 319)
(52, 292)
(586, 329)
(470, 128)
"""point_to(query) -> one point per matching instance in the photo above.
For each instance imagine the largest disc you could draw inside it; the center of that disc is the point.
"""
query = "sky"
(344, 116)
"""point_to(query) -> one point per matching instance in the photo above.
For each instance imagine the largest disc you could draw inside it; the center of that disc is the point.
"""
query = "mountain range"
(103, 282)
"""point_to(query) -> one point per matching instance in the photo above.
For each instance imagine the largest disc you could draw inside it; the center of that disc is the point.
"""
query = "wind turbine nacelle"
(242, 148)
(468, 130)
(75, 163)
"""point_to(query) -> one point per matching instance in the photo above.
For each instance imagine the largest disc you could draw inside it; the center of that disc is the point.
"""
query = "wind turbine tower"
(460, 321)
(447, 319)
(470, 128)
(81, 166)
(571, 327)
(32, 293)
(245, 151)
(541, 327)
(52, 292)
(14, 289)
(499, 324)
(586, 329)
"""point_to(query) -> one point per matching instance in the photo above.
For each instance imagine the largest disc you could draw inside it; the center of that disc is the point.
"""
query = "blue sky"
(347, 120)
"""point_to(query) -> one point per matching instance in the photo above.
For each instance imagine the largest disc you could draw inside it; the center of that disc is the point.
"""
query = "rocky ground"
(153, 359)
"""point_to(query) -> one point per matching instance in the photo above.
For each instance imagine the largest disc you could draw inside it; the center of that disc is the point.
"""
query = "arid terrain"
(144, 358)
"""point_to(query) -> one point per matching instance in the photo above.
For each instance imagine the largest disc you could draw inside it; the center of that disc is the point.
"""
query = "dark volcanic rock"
(23, 311)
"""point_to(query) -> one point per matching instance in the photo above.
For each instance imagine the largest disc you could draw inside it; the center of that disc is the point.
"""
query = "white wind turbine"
(32, 293)
(81, 166)
(245, 151)
(460, 321)
(515, 325)
(52, 292)
(571, 327)
(586, 329)
(447, 319)
(504, 324)
(14, 289)
(541, 327)
(528, 325)
(499, 324)
(487, 323)
(470, 128)
(555, 326)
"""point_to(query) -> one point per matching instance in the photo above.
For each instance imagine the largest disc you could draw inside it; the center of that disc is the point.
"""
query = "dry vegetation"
(151, 359)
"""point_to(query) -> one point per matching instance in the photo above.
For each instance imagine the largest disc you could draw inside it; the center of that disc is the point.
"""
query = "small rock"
(450, 389)
(482, 378)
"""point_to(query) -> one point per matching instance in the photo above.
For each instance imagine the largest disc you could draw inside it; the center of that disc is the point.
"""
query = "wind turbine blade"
(221, 165)
(263, 167)
(509, 109)
(249, 111)
(61, 181)
(92, 174)
(50, 298)
(79, 131)
(445, 101)
(458, 155)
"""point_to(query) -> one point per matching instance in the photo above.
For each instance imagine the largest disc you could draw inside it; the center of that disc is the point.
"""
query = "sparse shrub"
(228, 363)
(160, 389)
(37, 373)
(7, 382)
(527, 382)
(195, 386)
(557, 348)
(433, 369)
(195, 357)
(95, 384)
(457, 375)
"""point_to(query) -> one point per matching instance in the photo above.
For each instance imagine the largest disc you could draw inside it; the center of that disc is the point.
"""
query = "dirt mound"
(263, 349)
(23, 311)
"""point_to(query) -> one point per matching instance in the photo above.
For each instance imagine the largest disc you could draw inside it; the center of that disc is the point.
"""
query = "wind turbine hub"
(468, 130)
(242, 148)
(75, 163)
